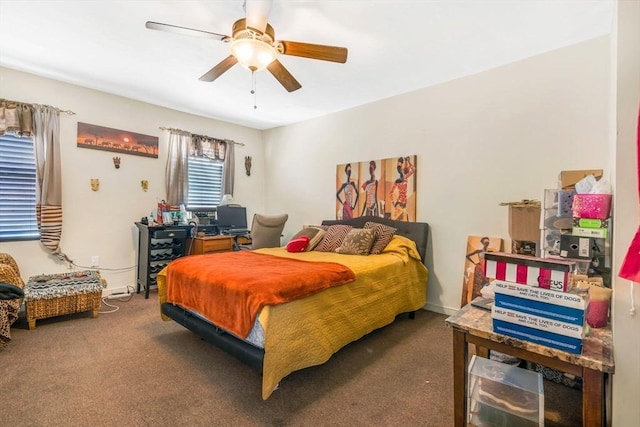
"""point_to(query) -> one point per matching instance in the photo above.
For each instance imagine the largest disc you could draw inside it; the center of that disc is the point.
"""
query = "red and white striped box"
(528, 270)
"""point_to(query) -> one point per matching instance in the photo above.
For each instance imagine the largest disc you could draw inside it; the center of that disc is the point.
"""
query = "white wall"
(502, 135)
(102, 223)
(626, 327)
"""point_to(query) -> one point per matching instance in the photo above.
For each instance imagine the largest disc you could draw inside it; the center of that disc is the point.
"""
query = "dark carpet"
(130, 368)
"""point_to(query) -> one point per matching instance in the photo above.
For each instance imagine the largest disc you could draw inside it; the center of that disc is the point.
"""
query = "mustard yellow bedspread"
(308, 331)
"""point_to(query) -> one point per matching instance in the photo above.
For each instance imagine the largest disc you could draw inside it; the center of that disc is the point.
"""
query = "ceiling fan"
(254, 46)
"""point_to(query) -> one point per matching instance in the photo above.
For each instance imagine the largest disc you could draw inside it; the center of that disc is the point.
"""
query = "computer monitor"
(231, 217)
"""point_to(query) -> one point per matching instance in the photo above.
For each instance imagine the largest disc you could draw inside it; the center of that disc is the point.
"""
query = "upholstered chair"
(266, 231)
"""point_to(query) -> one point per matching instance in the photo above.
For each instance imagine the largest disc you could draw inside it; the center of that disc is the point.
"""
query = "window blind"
(17, 189)
(205, 183)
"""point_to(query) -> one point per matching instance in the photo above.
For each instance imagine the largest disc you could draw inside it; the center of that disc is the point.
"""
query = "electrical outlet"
(95, 261)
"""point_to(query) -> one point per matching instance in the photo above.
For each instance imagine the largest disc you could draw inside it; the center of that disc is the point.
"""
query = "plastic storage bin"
(503, 395)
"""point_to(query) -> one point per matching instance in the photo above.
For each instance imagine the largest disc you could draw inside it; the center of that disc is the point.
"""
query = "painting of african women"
(117, 141)
(384, 188)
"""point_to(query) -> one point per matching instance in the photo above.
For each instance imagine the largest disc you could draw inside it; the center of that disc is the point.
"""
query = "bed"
(299, 332)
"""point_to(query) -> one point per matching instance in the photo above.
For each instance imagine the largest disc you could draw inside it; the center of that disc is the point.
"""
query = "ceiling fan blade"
(314, 51)
(257, 14)
(185, 31)
(219, 69)
(283, 76)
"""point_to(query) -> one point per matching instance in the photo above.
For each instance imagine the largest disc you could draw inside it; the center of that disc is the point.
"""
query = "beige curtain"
(183, 144)
(46, 139)
(177, 170)
(229, 169)
(220, 150)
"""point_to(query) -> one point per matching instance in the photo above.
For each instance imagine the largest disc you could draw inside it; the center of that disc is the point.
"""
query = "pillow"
(315, 235)
(299, 244)
(358, 241)
(384, 234)
(321, 227)
(333, 238)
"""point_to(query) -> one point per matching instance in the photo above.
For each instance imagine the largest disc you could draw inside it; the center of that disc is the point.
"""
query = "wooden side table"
(472, 325)
(210, 244)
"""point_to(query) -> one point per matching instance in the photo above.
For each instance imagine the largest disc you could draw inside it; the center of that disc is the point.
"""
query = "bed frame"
(253, 356)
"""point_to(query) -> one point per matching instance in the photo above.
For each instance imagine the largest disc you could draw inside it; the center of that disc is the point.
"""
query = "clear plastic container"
(504, 395)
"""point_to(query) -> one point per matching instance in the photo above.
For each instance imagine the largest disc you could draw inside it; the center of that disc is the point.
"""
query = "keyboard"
(235, 231)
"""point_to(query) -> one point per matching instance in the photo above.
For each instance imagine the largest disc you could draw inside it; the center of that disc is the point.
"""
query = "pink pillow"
(299, 244)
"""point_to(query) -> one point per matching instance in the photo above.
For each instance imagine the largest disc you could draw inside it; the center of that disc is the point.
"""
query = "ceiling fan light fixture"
(252, 54)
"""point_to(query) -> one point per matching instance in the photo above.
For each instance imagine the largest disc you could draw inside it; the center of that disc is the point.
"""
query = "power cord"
(632, 310)
(114, 307)
(125, 298)
(74, 265)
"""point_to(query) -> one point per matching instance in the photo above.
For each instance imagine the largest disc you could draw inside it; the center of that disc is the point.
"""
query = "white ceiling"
(394, 47)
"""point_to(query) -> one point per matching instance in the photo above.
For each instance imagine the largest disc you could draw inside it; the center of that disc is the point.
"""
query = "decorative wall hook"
(247, 164)
(95, 184)
(116, 162)
(144, 184)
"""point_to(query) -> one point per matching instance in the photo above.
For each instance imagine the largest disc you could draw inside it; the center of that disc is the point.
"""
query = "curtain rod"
(202, 136)
(69, 112)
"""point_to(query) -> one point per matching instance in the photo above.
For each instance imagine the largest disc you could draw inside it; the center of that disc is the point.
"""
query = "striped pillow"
(384, 234)
(333, 238)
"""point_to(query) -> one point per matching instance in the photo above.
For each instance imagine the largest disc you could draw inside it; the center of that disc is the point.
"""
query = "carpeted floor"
(130, 368)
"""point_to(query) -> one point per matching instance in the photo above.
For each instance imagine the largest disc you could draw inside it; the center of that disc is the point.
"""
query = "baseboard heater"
(245, 352)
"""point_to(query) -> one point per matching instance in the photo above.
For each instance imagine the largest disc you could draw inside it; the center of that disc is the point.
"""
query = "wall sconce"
(95, 184)
(144, 184)
(116, 162)
(247, 165)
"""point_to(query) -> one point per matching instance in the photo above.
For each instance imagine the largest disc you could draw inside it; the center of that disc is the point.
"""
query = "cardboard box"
(548, 339)
(527, 270)
(552, 312)
(568, 179)
(590, 223)
(572, 246)
(574, 299)
(598, 233)
(524, 220)
(538, 322)
(522, 247)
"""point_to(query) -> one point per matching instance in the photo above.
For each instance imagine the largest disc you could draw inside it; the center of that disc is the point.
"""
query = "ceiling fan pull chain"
(253, 90)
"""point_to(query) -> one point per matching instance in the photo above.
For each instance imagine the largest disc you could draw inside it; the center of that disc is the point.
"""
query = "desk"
(472, 325)
(210, 244)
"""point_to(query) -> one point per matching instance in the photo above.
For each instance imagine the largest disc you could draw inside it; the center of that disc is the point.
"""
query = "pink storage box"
(596, 206)
(544, 273)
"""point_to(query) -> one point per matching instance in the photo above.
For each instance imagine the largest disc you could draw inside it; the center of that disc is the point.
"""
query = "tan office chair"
(266, 231)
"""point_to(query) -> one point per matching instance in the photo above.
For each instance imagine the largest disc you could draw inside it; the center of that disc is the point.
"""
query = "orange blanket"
(231, 288)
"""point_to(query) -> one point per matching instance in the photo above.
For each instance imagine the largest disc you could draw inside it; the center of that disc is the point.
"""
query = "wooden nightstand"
(210, 244)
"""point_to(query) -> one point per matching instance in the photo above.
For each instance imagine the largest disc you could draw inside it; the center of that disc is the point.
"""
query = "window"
(17, 189)
(205, 183)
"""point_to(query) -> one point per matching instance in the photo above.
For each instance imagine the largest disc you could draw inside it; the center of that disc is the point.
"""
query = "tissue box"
(596, 206)
(527, 270)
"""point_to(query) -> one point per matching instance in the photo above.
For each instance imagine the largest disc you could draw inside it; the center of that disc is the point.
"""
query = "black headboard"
(416, 231)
